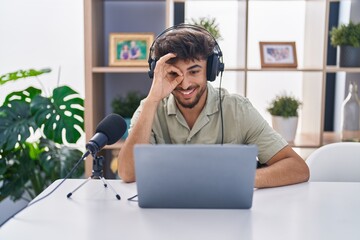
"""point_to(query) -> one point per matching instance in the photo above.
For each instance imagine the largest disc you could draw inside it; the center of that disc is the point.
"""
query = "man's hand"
(166, 78)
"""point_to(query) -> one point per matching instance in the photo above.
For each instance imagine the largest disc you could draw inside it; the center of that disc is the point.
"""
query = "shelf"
(306, 140)
(120, 69)
(334, 69)
(285, 69)
(331, 137)
(234, 69)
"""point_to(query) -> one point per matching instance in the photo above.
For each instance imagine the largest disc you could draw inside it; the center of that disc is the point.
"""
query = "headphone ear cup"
(212, 67)
(152, 65)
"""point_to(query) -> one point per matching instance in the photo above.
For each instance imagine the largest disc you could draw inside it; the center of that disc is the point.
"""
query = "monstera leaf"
(15, 124)
(13, 76)
(16, 177)
(62, 112)
(25, 96)
(58, 161)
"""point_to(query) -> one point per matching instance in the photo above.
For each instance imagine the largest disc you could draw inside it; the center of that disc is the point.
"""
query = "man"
(183, 108)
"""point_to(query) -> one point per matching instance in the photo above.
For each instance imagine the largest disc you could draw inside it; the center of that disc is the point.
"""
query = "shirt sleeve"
(134, 120)
(260, 133)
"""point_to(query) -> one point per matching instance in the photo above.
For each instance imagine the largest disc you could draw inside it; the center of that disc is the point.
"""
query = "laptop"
(195, 176)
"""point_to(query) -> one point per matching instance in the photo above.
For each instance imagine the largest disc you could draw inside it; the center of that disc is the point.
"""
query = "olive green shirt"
(242, 124)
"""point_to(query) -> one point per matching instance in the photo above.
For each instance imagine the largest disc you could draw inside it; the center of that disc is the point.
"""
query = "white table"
(303, 211)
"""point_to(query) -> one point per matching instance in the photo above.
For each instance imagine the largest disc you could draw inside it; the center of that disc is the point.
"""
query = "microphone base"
(96, 174)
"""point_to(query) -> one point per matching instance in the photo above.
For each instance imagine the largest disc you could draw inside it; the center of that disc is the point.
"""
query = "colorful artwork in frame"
(278, 54)
(129, 49)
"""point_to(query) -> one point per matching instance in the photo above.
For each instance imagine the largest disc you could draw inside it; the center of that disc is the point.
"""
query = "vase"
(350, 118)
(286, 127)
(349, 56)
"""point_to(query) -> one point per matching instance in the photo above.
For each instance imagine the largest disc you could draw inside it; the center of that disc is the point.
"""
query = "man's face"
(193, 88)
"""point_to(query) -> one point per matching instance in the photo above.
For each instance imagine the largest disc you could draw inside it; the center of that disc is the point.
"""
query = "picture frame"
(278, 54)
(129, 49)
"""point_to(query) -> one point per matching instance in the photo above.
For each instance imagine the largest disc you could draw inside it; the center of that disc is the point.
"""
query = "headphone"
(214, 64)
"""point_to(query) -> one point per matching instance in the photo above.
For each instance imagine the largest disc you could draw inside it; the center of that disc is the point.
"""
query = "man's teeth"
(187, 92)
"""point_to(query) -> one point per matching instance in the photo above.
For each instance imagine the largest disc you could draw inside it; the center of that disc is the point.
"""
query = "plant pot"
(286, 127)
(349, 56)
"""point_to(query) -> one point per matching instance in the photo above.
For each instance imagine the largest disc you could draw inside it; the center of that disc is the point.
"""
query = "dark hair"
(186, 42)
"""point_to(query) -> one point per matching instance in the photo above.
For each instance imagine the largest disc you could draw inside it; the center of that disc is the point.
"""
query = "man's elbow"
(125, 177)
(305, 173)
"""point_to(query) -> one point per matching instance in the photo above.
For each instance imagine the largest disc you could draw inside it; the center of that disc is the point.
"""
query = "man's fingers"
(176, 81)
(166, 57)
(173, 71)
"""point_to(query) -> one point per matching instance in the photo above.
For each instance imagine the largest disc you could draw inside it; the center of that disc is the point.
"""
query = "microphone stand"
(96, 174)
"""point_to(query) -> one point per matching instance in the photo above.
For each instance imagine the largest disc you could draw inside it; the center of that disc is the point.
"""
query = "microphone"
(108, 131)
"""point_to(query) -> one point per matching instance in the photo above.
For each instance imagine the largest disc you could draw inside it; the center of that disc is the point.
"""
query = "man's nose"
(185, 83)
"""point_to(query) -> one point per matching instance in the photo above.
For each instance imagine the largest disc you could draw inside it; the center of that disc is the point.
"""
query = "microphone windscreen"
(113, 126)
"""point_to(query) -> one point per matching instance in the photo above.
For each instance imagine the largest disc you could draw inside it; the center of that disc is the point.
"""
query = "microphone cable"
(48, 194)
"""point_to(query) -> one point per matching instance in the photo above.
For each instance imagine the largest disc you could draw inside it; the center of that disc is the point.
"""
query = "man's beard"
(196, 100)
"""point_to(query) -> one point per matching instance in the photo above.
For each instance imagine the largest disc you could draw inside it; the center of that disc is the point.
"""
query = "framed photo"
(129, 49)
(278, 54)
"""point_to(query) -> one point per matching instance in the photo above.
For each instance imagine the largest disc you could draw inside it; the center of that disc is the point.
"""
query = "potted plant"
(33, 131)
(126, 106)
(209, 24)
(348, 38)
(284, 111)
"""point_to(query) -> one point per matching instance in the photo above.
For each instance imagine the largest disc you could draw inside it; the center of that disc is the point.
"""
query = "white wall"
(42, 34)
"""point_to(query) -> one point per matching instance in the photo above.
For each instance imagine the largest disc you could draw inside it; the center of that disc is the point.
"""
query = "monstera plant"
(35, 136)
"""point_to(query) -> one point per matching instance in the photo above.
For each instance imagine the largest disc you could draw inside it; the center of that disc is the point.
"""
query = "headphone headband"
(214, 61)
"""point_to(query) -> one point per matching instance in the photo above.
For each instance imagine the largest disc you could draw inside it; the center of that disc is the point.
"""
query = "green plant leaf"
(61, 112)
(17, 168)
(126, 106)
(34, 166)
(285, 106)
(15, 124)
(346, 35)
(208, 23)
(58, 161)
(13, 76)
(25, 95)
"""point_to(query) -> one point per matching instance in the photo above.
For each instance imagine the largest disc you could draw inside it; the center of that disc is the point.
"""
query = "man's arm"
(163, 84)
(139, 134)
(284, 168)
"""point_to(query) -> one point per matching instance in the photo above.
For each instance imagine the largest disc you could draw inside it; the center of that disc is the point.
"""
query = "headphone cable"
(221, 111)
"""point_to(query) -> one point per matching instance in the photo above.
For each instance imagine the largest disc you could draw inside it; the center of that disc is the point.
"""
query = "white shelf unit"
(303, 21)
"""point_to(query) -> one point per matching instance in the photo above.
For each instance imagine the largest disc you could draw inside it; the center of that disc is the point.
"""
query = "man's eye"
(173, 74)
(194, 72)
